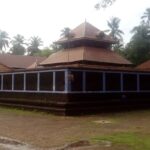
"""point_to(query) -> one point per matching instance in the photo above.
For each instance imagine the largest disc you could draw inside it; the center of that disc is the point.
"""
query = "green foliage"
(65, 32)
(18, 50)
(138, 49)
(18, 45)
(133, 140)
(35, 43)
(4, 40)
(114, 30)
(104, 4)
(115, 33)
(119, 48)
(48, 50)
(146, 17)
(55, 47)
(44, 52)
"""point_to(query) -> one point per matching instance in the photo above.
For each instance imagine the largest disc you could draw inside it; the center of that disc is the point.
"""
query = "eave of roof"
(144, 66)
(85, 38)
(91, 54)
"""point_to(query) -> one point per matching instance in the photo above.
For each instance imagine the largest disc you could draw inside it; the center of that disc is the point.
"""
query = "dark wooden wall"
(76, 104)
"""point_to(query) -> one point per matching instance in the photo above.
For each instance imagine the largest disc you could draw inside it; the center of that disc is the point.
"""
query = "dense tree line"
(18, 45)
(138, 48)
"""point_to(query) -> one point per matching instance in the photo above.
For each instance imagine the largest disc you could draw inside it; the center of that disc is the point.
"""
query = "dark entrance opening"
(46, 81)
(76, 78)
(31, 81)
(7, 82)
(60, 80)
(18, 81)
(145, 82)
(129, 82)
(94, 81)
(113, 81)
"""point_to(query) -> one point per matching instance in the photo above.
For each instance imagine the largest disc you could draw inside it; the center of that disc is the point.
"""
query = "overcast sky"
(46, 18)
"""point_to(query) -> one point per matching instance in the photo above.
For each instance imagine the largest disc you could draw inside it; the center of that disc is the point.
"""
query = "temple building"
(85, 76)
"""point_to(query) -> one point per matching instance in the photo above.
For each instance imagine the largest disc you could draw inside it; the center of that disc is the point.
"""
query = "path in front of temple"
(30, 130)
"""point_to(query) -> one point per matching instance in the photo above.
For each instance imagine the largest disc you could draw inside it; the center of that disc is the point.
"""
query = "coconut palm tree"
(4, 40)
(18, 39)
(35, 43)
(141, 32)
(114, 30)
(65, 32)
(146, 16)
(18, 43)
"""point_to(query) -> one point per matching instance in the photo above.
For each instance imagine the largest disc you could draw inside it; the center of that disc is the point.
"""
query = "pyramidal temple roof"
(87, 31)
(86, 51)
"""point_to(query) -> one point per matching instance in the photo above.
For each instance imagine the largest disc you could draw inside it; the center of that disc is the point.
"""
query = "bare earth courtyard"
(36, 130)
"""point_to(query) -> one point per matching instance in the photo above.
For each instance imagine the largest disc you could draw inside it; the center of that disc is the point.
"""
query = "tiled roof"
(144, 66)
(86, 31)
(91, 54)
(19, 61)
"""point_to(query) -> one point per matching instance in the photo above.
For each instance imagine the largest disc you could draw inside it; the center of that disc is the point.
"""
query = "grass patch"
(20, 111)
(134, 140)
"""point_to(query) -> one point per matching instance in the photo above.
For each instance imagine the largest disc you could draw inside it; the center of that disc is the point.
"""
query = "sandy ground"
(45, 131)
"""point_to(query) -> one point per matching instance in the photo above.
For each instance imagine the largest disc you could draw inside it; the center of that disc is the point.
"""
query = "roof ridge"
(84, 54)
(84, 29)
(9, 55)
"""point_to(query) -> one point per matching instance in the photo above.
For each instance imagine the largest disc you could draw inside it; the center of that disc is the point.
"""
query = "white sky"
(46, 18)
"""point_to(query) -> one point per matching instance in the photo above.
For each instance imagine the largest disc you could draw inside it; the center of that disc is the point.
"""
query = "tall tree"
(66, 32)
(18, 43)
(138, 49)
(4, 40)
(35, 43)
(146, 17)
(114, 30)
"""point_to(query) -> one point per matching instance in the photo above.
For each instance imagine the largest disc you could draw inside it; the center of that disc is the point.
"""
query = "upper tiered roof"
(88, 32)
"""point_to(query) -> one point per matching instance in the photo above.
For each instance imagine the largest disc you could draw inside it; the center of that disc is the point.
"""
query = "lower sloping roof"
(144, 66)
(4, 68)
(19, 61)
(91, 54)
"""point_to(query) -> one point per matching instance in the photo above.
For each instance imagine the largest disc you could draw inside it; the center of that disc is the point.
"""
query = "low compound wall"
(76, 104)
